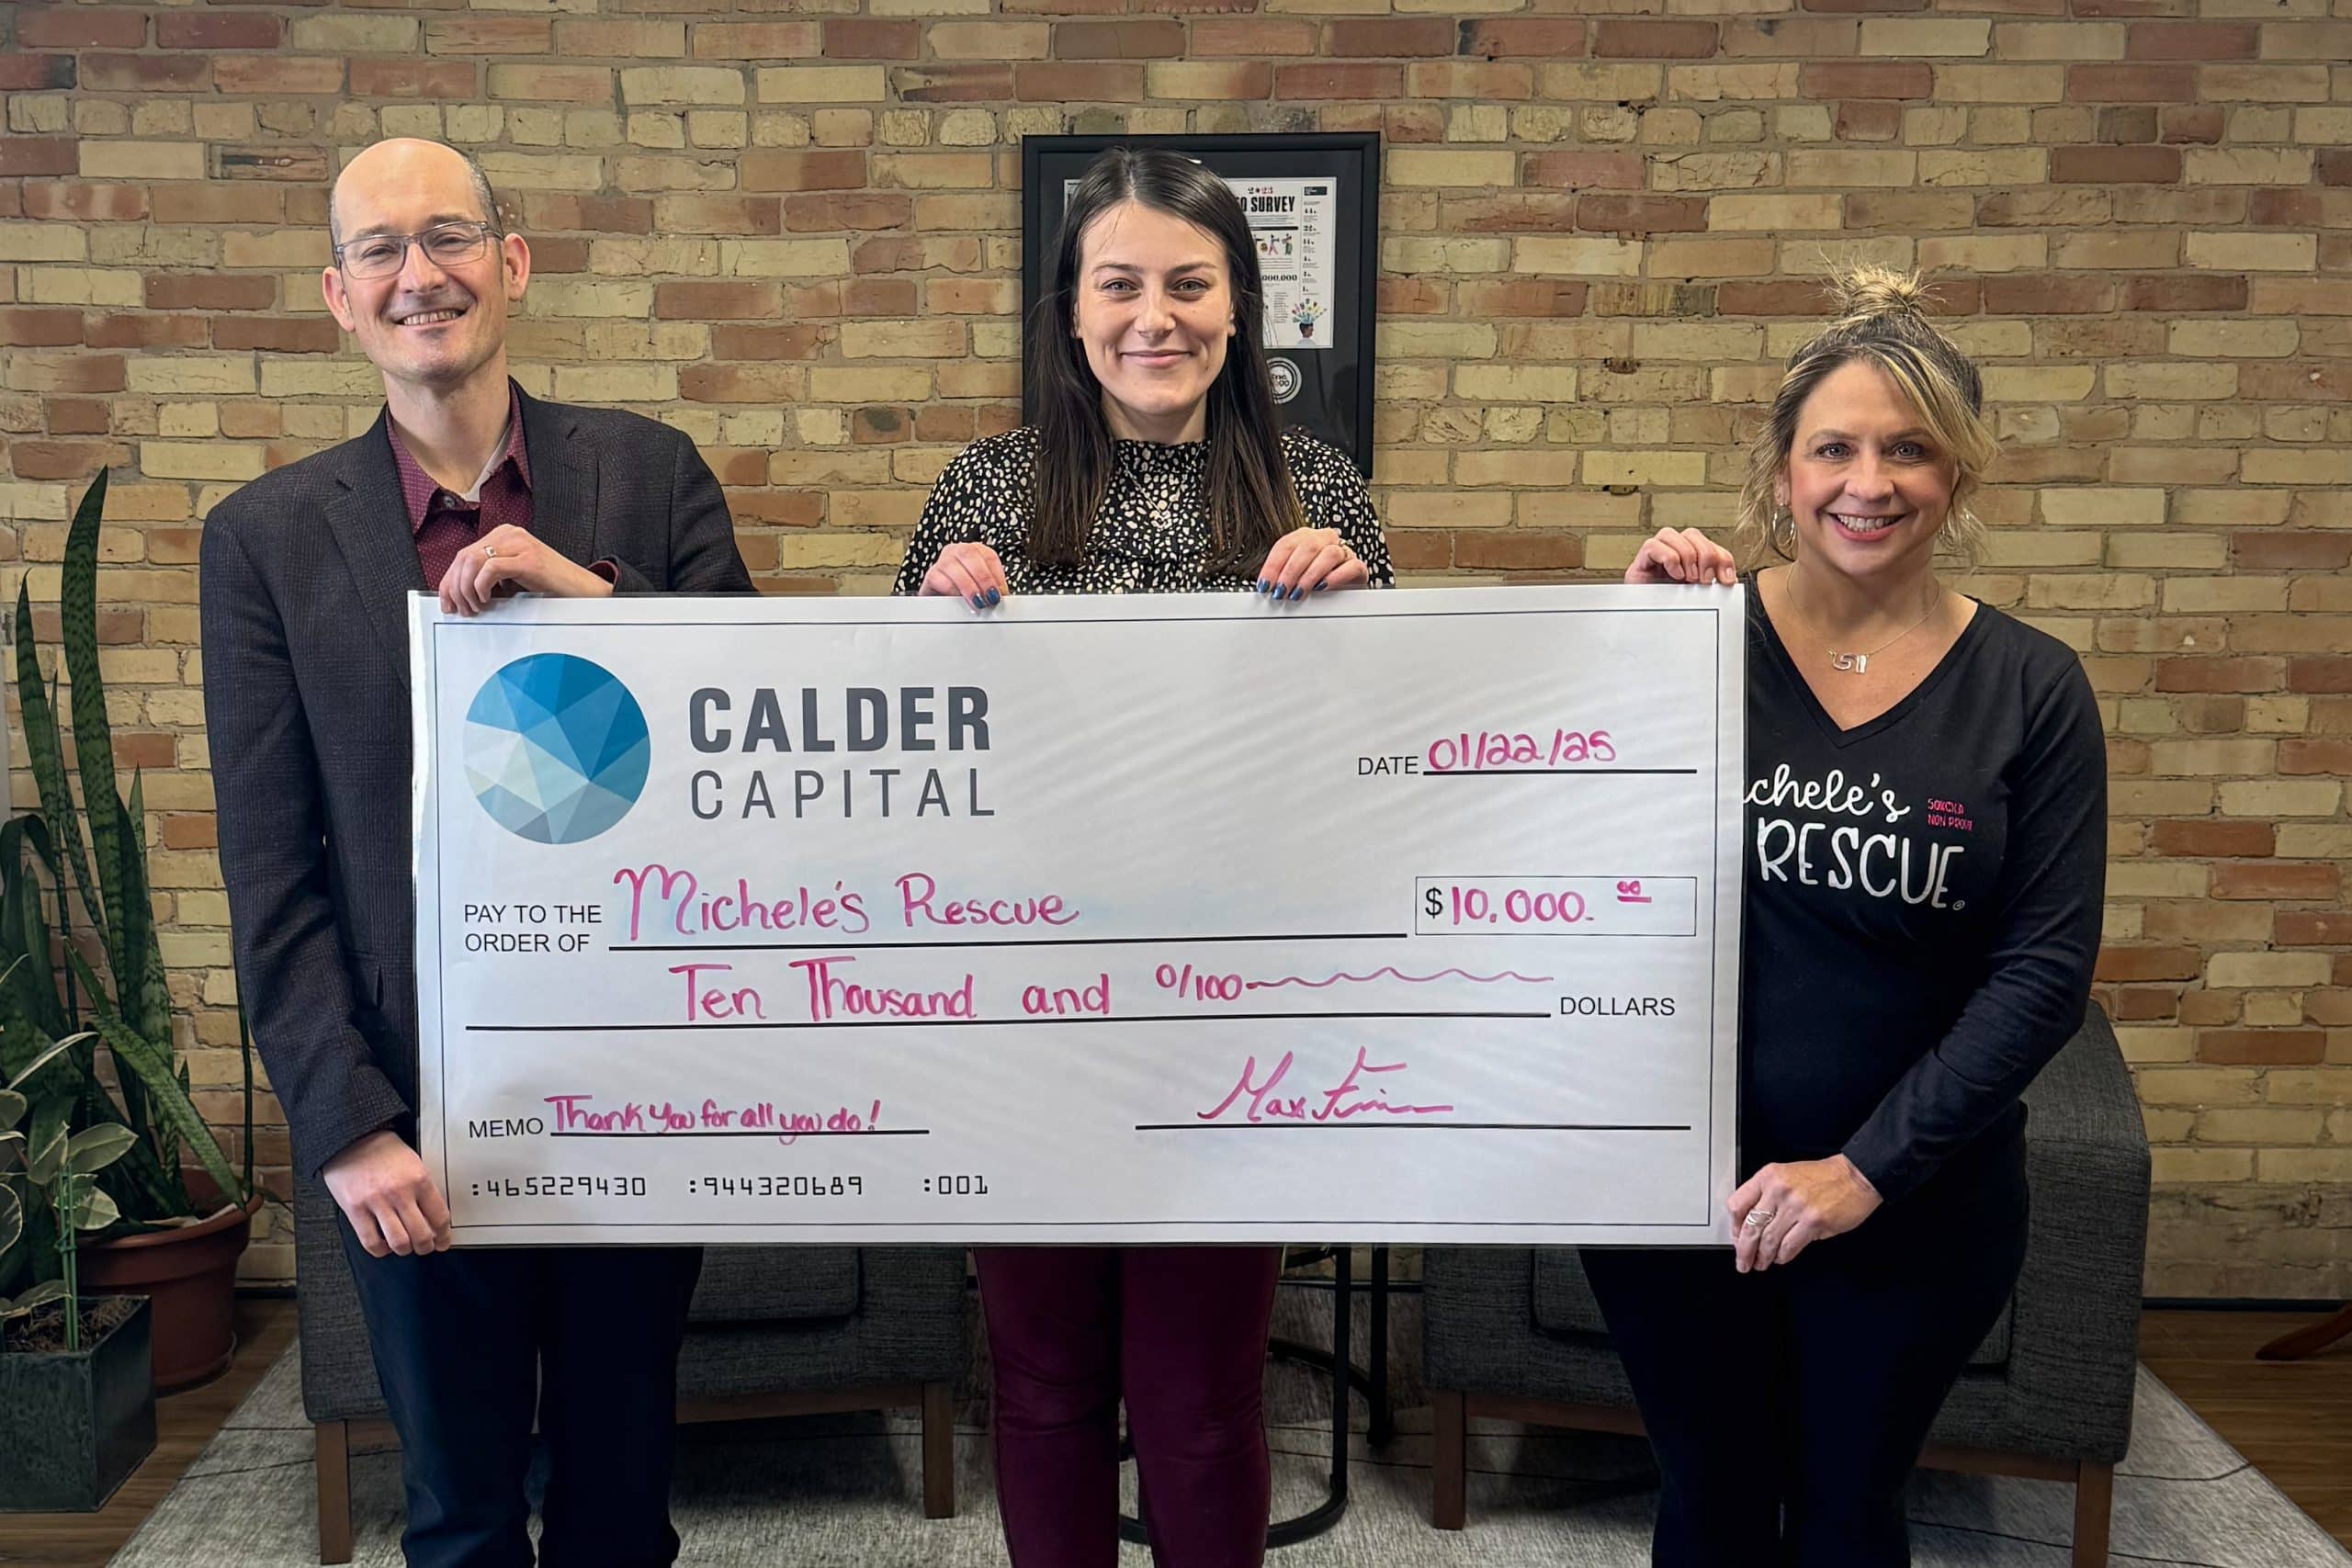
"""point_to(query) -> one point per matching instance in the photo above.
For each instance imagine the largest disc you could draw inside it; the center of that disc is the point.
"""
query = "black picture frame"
(1326, 390)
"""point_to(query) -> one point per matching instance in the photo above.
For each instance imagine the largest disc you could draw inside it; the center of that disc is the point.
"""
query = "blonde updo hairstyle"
(1882, 319)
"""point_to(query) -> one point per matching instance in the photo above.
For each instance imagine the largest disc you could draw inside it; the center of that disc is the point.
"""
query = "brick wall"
(789, 229)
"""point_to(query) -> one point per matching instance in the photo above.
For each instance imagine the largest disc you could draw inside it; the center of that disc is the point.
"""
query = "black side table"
(1345, 1376)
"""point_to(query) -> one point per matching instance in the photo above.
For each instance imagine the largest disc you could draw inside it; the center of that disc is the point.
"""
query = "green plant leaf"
(55, 1049)
(77, 614)
(95, 1148)
(32, 988)
(245, 1060)
(45, 1145)
(13, 1107)
(12, 871)
(141, 996)
(152, 1062)
(20, 1042)
(37, 835)
(44, 754)
(12, 1215)
(41, 1295)
(139, 1181)
(147, 1004)
(95, 1211)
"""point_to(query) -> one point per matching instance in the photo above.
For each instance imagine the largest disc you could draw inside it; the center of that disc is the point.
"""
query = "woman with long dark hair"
(1155, 466)
(1917, 943)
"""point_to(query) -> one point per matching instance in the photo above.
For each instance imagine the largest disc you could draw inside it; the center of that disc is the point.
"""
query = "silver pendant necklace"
(1859, 663)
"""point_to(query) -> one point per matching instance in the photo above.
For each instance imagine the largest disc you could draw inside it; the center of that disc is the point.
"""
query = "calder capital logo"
(555, 748)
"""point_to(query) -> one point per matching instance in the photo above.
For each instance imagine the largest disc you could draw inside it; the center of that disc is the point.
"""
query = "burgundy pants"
(1181, 1332)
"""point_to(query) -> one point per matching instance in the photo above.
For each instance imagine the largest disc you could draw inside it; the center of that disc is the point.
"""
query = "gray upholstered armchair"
(1515, 1333)
(773, 1331)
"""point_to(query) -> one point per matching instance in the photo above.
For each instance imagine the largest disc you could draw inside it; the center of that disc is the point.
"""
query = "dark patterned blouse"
(1152, 536)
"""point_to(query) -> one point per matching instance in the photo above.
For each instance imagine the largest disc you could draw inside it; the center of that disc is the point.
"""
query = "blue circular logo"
(555, 748)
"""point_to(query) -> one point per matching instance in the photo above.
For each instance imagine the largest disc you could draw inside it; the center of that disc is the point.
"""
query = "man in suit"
(466, 487)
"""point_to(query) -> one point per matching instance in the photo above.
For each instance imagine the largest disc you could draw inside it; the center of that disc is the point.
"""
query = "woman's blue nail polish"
(1320, 586)
(1259, 586)
(979, 603)
(993, 596)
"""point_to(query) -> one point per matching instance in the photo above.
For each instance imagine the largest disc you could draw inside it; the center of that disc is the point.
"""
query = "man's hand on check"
(385, 1191)
(508, 555)
(971, 573)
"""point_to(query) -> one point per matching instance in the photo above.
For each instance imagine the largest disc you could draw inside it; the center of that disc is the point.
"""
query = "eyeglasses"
(445, 245)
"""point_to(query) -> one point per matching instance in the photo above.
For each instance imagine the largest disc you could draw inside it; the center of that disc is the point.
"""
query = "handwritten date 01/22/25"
(1486, 751)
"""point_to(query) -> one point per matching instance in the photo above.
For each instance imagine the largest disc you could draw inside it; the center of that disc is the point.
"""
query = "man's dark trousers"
(466, 1342)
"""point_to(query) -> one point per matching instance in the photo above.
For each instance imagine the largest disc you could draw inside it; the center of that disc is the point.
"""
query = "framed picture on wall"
(1313, 202)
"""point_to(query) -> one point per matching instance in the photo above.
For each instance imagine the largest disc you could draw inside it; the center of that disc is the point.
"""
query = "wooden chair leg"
(334, 1465)
(938, 1451)
(2094, 1502)
(1450, 1462)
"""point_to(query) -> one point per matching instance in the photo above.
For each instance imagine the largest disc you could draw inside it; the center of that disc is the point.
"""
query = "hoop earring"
(1784, 525)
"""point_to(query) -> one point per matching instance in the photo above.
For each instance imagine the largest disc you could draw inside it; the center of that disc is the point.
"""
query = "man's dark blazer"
(306, 574)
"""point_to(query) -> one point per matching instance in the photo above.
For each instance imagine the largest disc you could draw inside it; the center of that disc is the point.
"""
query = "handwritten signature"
(1344, 1100)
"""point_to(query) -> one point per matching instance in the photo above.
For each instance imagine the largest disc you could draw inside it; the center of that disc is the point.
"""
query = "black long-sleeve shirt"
(1923, 900)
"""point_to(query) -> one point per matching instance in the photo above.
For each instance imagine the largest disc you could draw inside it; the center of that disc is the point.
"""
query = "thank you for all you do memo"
(1402, 917)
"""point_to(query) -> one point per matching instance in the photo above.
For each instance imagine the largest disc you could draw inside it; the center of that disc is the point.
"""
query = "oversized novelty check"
(1394, 916)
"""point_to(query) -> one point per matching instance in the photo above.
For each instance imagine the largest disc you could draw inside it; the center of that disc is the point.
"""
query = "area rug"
(844, 1492)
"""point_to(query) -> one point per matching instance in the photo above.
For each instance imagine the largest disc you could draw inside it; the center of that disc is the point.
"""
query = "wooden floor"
(2293, 1420)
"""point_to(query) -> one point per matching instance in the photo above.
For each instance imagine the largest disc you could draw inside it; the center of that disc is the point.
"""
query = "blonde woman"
(1925, 828)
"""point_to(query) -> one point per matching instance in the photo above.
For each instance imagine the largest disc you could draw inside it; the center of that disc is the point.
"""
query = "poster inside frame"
(1314, 205)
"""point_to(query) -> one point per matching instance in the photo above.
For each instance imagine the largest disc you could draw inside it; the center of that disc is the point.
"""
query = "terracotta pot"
(189, 1274)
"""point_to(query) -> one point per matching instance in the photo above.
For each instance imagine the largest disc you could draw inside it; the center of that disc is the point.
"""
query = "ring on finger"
(1757, 1219)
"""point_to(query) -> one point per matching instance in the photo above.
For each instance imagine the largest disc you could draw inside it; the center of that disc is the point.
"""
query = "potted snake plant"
(95, 974)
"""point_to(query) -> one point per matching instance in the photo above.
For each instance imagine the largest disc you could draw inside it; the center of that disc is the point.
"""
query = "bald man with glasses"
(468, 487)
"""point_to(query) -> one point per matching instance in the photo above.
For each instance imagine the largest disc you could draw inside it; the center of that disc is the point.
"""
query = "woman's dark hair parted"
(1251, 502)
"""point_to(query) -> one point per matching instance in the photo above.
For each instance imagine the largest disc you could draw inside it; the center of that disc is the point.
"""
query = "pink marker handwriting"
(659, 897)
(922, 907)
(834, 996)
(1479, 750)
(1391, 970)
(705, 1003)
(1344, 1101)
(579, 1115)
